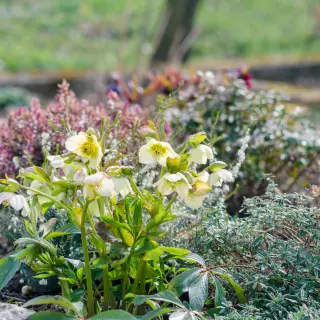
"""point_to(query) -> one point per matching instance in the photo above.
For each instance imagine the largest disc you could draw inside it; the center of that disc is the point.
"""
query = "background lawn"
(109, 34)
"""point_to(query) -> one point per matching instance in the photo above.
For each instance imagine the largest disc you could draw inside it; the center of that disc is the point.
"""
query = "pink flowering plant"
(126, 270)
(31, 132)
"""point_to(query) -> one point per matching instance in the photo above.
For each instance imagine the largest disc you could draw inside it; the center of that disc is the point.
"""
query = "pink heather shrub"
(31, 131)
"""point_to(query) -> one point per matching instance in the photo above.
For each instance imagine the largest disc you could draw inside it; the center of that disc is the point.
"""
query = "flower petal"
(74, 143)
(94, 179)
(122, 186)
(17, 202)
(146, 156)
(215, 179)
(5, 196)
(105, 187)
(194, 202)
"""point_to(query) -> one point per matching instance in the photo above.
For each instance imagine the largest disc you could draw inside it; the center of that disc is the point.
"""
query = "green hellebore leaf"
(56, 300)
(56, 234)
(167, 296)
(8, 268)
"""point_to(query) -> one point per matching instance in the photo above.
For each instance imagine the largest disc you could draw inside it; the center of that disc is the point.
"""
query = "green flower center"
(158, 149)
(88, 149)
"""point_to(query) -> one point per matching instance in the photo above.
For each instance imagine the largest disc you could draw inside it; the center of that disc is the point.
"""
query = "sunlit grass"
(108, 34)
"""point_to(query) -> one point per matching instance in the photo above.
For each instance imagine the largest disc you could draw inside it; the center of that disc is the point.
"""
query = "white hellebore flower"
(200, 154)
(122, 186)
(197, 194)
(217, 178)
(171, 182)
(156, 151)
(87, 147)
(194, 201)
(16, 201)
(98, 184)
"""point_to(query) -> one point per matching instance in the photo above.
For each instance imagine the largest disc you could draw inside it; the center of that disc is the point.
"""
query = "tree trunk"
(174, 35)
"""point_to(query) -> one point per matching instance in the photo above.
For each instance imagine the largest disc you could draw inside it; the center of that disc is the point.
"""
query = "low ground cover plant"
(273, 252)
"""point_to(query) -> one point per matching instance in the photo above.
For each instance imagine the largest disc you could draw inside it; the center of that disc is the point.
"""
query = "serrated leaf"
(8, 268)
(114, 315)
(115, 223)
(137, 214)
(55, 300)
(69, 228)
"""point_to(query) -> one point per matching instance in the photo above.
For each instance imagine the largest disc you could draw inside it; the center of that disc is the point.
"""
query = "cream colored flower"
(122, 186)
(87, 147)
(98, 184)
(16, 201)
(203, 176)
(200, 154)
(194, 201)
(217, 178)
(197, 194)
(156, 151)
(171, 182)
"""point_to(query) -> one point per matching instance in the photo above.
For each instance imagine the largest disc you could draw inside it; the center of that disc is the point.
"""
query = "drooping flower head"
(16, 201)
(98, 184)
(171, 182)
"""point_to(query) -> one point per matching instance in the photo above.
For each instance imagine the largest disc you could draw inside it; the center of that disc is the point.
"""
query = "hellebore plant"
(119, 224)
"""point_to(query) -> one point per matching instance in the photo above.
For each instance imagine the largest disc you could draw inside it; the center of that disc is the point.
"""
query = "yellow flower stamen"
(88, 148)
(158, 149)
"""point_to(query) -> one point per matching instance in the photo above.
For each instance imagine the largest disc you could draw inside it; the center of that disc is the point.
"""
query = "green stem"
(135, 188)
(65, 289)
(140, 309)
(106, 285)
(139, 275)
(174, 197)
(90, 296)
(124, 285)
(37, 192)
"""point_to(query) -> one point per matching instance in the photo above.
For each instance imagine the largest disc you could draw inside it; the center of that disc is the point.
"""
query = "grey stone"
(13, 312)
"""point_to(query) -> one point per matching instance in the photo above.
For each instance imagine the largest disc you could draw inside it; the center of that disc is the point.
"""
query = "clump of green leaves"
(273, 252)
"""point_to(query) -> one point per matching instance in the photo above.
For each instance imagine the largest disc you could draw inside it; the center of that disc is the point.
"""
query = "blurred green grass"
(112, 34)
